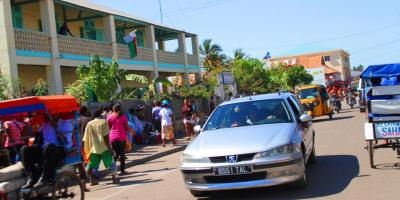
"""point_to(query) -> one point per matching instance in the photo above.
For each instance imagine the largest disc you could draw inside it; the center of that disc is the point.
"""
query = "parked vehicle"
(245, 140)
(67, 185)
(314, 98)
(383, 103)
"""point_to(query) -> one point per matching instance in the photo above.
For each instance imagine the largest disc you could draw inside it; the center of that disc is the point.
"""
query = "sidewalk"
(146, 153)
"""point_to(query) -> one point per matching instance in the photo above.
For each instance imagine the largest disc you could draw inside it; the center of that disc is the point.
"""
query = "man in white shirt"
(167, 129)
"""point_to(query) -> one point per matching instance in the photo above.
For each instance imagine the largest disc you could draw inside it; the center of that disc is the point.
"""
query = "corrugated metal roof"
(99, 8)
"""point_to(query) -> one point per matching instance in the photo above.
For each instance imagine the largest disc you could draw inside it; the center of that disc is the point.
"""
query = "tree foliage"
(250, 76)
(213, 58)
(359, 68)
(9, 88)
(297, 75)
(40, 89)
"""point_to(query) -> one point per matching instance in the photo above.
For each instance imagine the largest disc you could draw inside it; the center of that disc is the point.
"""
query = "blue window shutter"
(17, 16)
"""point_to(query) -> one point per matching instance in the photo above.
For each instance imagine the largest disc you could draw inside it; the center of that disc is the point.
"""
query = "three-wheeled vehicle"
(315, 98)
(382, 129)
(67, 185)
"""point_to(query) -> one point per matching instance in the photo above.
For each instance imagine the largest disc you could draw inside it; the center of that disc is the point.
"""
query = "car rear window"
(249, 113)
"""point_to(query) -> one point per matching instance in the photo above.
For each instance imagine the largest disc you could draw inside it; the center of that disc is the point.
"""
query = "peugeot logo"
(232, 159)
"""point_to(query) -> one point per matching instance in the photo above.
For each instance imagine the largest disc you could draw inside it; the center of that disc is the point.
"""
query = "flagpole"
(161, 14)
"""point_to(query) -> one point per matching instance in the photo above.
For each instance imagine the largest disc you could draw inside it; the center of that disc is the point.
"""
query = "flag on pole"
(130, 39)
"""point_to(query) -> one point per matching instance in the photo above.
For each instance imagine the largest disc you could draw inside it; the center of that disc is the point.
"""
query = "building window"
(89, 31)
(120, 33)
(293, 61)
(140, 38)
(346, 60)
(327, 58)
(17, 16)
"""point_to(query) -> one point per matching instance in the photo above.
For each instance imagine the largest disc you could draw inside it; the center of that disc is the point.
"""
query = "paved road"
(342, 171)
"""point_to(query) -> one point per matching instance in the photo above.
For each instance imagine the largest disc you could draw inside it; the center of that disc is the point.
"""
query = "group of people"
(103, 134)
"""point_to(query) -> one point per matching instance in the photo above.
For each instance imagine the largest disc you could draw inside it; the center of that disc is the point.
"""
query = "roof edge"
(310, 53)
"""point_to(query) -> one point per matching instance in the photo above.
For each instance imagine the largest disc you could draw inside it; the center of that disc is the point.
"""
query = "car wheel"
(302, 182)
(313, 157)
(198, 193)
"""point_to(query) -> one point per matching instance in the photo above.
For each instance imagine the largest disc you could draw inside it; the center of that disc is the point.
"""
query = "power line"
(193, 8)
(376, 46)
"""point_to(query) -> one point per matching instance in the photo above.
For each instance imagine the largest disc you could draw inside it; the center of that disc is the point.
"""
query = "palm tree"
(212, 56)
(239, 54)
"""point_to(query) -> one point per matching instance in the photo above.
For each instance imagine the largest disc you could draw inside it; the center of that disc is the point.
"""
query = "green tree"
(104, 79)
(359, 68)
(278, 78)
(213, 58)
(40, 89)
(9, 88)
(250, 76)
(239, 54)
(297, 75)
(78, 89)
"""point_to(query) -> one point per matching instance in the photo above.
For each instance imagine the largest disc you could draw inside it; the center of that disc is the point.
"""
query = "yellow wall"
(68, 76)
(31, 16)
(29, 74)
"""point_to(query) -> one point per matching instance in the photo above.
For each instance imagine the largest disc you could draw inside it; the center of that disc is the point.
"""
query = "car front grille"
(236, 178)
(241, 157)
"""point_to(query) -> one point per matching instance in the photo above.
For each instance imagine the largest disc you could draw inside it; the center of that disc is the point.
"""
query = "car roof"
(278, 95)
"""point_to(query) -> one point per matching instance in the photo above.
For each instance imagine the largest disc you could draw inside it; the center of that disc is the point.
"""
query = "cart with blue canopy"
(382, 93)
(67, 185)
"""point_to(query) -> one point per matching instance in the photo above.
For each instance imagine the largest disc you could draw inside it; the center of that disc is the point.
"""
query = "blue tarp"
(379, 71)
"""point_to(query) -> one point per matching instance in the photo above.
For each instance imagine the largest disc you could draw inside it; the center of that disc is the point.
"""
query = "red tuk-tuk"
(67, 185)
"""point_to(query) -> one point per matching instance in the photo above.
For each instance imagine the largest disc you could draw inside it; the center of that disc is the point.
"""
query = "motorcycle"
(336, 103)
(353, 101)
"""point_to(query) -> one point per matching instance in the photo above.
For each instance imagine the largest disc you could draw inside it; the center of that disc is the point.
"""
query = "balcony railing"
(32, 41)
(83, 47)
(192, 60)
(170, 57)
(143, 53)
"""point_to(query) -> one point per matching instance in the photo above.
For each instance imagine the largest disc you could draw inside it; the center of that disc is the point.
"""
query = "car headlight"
(316, 103)
(283, 150)
(186, 158)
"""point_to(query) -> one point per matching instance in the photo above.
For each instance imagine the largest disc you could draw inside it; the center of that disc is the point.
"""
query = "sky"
(368, 29)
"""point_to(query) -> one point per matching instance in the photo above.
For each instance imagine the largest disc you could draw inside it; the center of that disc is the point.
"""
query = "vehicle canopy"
(24, 107)
(379, 71)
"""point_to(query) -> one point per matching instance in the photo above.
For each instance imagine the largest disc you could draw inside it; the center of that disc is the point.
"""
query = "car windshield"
(308, 93)
(249, 113)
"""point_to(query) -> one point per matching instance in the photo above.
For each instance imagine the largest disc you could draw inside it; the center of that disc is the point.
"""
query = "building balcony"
(144, 57)
(32, 43)
(168, 59)
(80, 49)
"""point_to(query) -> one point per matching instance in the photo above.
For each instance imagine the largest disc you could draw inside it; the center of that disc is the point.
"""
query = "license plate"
(223, 171)
(387, 129)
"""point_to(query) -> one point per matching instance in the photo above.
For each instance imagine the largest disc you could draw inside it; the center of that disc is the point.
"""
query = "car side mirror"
(305, 118)
(197, 129)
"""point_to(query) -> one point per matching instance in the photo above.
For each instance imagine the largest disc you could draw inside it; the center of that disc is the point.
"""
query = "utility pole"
(161, 14)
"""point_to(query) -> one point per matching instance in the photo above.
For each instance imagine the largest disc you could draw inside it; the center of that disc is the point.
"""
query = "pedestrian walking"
(96, 143)
(118, 124)
(156, 115)
(167, 129)
(187, 115)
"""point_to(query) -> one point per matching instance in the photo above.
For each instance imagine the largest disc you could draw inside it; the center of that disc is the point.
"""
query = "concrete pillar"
(8, 64)
(110, 35)
(196, 53)
(150, 43)
(182, 49)
(161, 44)
(53, 71)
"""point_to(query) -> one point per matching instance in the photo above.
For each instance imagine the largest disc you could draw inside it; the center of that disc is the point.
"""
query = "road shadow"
(334, 119)
(329, 175)
(157, 170)
(388, 166)
(107, 185)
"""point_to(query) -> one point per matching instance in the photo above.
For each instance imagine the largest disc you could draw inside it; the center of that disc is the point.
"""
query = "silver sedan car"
(250, 142)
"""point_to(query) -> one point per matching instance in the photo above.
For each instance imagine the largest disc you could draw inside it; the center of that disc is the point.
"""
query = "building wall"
(29, 74)
(336, 62)
(68, 76)
(31, 16)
